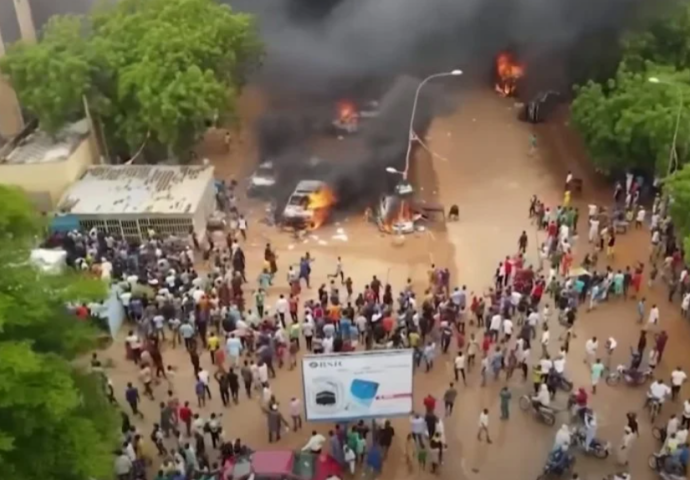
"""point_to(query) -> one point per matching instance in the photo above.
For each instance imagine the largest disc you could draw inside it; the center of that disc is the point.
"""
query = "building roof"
(137, 189)
(39, 147)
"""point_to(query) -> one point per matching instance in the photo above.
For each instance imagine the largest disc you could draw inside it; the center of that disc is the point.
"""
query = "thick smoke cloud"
(371, 38)
(322, 50)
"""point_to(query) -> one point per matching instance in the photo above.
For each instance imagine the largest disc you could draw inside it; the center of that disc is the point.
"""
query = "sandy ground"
(481, 163)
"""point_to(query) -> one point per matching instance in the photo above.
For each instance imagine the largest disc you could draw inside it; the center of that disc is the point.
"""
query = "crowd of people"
(224, 315)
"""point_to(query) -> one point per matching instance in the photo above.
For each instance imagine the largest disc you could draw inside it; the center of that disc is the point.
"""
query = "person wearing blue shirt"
(374, 460)
(345, 328)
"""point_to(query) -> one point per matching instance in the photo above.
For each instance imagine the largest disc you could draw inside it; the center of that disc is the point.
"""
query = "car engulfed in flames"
(309, 206)
(508, 73)
(347, 117)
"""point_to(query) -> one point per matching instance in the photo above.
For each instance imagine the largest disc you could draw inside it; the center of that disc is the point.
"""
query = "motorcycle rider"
(658, 391)
(543, 398)
(677, 462)
(590, 428)
(563, 439)
(580, 403)
(635, 361)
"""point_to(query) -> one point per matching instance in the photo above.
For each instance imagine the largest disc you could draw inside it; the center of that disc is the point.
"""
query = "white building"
(128, 200)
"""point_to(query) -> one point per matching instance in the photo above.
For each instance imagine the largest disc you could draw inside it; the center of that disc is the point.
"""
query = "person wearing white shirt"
(658, 391)
(593, 230)
(686, 414)
(559, 365)
(327, 343)
(545, 366)
(533, 322)
(507, 328)
(685, 305)
(545, 336)
(653, 316)
(315, 443)
(678, 377)
(672, 425)
(484, 425)
(459, 367)
(639, 219)
(495, 326)
(282, 307)
(266, 395)
(610, 346)
(543, 398)
(262, 370)
(591, 347)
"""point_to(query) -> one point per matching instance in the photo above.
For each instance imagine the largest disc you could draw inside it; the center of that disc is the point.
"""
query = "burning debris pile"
(508, 73)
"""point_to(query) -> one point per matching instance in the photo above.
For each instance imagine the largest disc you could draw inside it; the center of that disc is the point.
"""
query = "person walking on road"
(133, 398)
(449, 399)
(505, 397)
(484, 426)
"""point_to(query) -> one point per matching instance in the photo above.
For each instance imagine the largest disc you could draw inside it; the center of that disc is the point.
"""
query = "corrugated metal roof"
(137, 189)
(39, 147)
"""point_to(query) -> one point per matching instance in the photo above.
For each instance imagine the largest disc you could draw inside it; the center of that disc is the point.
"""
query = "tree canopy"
(155, 72)
(54, 418)
(630, 122)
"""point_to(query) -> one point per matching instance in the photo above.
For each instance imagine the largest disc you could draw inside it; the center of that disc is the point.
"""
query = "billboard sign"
(348, 386)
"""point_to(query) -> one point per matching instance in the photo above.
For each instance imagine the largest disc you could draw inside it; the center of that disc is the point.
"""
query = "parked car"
(262, 180)
(282, 465)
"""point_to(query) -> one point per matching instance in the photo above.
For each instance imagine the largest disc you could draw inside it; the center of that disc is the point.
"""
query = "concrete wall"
(46, 182)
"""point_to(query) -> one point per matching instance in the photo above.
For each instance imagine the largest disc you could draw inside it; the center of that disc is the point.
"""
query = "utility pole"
(25, 20)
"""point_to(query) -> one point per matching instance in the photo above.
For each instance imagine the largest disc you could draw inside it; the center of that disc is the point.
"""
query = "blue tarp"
(64, 223)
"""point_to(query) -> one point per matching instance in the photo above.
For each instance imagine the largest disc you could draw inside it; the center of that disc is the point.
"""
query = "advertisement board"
(348, 386)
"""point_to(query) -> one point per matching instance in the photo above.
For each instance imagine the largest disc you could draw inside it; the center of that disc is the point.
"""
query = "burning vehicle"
(349, 116)
(309, 206)
(508, 73)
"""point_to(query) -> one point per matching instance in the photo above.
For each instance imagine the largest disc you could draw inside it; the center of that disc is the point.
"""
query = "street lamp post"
(411, 134)
(673, 152)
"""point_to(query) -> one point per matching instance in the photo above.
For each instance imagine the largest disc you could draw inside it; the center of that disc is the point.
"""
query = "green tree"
(662, 40)
(678, 188)
(629, 122)
(54, 419)
(154, 71)
(52, 76)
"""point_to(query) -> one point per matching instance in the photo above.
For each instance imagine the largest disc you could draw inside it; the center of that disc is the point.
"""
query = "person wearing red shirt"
(429, 403)
(460, 340)
(82, 312)
(186, 417)
(486, 344)
(387, 323)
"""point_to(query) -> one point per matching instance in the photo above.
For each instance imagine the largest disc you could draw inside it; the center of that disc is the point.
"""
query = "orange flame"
(347, 113)
(320, 203)
(508, 72)
(401, 215)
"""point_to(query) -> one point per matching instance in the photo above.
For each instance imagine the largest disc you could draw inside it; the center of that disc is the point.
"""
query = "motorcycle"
(630, 377)
(597, 448)
(563, 383)
(657, 462)
(654, 407)
(558, 463)
(545, 414)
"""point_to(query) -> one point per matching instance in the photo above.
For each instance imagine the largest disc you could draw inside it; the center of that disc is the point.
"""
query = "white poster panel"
(349, 386)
